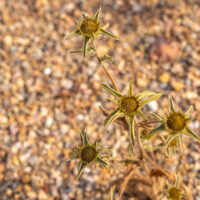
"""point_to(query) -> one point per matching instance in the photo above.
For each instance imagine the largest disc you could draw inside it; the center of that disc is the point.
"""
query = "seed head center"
(88, 154)
(176, 121)
(174, 193)
(89, 26)
(128, 105)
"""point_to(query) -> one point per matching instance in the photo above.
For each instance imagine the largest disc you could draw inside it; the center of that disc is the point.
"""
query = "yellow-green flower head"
(174, 193)
(89, 27)
(129, 105)
(176, 122)
(88, 153)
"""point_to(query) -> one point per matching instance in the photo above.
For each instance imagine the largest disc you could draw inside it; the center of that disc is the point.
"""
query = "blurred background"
(46, 97)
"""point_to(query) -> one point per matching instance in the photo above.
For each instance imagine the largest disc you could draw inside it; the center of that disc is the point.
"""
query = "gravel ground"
(46, 98)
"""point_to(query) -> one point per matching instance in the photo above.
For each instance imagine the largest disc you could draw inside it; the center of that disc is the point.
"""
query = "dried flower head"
(89, 27)
(176, 122)
(89, 153)
(129, 105)
(173, 193)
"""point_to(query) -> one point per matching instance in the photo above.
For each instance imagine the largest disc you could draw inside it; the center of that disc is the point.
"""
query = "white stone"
(49, 121)
(153, 106)
(42, 195)
(69, 7)
(64, 128)
(69, 85)
(80, 117)
(47, 71)
(44, 111)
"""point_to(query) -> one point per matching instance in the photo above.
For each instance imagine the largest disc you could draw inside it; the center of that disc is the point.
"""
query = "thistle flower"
(129, 105)
(176, 122)
(89, 27)
(88, 153)
(173, 192)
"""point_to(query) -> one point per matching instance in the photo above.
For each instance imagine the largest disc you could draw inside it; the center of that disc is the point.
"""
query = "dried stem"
(126, 180)
(162, 138)
(143, 154)
(102, 65)
(137, 136)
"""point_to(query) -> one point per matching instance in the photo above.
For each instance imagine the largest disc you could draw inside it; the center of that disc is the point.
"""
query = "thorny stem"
(142, 152)
(102, 65)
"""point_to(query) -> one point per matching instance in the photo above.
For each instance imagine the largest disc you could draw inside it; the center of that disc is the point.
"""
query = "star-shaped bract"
(176, 122)
(89, 153)
(129, 105)
(89, 27)
(173, 192)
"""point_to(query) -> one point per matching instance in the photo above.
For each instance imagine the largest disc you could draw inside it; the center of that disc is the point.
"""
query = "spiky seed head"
(174, 193)
(176, 121)
(88, 154)
(128, 105)
(89, 26)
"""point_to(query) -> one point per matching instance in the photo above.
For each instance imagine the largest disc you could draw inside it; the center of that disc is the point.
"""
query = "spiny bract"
(173, 193)
(176, 122)
(88, 153)
(129, 105)
(89, 27)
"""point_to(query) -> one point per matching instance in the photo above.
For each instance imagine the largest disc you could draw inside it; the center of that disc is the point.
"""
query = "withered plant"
(146, 175)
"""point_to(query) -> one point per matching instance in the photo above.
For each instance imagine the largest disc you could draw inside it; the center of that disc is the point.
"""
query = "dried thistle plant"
(150, 170)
